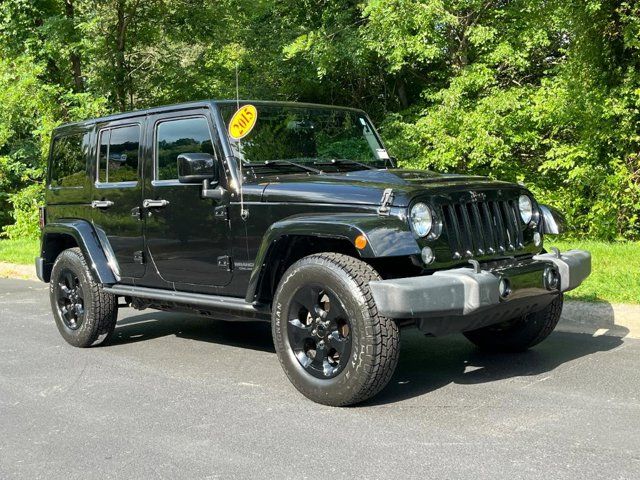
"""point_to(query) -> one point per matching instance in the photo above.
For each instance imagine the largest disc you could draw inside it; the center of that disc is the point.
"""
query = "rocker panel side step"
(236, 306)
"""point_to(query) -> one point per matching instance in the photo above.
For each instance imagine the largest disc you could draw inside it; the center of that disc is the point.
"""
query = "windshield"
(308, 135)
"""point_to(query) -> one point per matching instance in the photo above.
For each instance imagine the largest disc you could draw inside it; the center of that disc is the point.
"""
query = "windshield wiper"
(342, 161)
(283, 163)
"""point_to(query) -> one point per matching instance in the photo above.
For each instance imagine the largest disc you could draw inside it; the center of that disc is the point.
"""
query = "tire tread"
(103, 308)
(384, 333)
(527, 332)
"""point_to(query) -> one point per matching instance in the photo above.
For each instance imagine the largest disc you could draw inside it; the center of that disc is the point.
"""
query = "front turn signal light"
(360, 242)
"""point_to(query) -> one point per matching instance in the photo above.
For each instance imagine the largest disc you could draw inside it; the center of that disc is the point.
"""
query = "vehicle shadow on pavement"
(146, 326)
(427, 364)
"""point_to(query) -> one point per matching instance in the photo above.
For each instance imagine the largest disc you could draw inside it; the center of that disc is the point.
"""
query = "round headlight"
(421, 219)
(526, 208)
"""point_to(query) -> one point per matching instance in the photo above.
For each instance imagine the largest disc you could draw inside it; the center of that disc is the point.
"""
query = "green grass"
(22, 252)
(615, 273)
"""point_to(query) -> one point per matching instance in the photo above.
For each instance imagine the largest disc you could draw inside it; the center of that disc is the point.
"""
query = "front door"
(187, 236)
(117, 194)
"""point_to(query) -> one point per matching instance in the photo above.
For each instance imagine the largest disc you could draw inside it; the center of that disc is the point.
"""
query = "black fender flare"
(387, 236)
(101, 262)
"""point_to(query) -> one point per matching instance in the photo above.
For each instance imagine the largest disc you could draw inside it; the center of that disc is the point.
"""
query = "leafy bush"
(25, 212)
(548, 95)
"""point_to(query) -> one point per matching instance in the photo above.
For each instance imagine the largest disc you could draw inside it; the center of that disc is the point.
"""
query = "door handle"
(101, 204)
(149, 203)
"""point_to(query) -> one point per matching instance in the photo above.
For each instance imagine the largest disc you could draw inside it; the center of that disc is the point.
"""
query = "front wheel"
(519, 334)
(331, 342)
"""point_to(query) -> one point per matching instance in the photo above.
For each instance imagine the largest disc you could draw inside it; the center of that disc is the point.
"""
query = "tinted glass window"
(118, 156)
(189, 135)
(308, 135)
(68, 161)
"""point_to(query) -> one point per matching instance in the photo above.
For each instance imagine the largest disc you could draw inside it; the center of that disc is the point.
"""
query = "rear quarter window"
(68, 166)
(118, 154)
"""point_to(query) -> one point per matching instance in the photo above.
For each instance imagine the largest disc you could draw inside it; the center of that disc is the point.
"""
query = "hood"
(366, 186)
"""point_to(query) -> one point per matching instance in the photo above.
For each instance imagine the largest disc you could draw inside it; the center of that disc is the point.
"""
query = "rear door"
(118, 193)
(189, 236)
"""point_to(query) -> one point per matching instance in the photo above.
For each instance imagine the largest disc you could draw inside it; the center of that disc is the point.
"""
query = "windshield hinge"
(385, 202)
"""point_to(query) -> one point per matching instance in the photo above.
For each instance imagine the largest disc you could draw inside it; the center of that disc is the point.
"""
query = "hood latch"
(385, 202)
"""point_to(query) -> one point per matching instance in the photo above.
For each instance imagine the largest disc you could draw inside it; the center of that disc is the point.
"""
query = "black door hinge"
(138, 257)
(385, 202)
(221, 212)
(225, 262)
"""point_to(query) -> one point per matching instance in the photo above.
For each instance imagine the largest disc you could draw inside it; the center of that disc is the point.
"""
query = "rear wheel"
(331, 342)
(85, 315)
(521, 333)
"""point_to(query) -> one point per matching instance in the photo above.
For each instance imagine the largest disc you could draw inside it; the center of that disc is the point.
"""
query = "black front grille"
(482, 228)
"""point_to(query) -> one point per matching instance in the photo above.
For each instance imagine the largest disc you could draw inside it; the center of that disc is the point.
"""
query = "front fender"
(86, 237)
(387, 236)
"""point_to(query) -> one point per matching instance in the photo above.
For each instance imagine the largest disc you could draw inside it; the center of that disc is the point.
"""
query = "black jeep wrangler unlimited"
(294, 214)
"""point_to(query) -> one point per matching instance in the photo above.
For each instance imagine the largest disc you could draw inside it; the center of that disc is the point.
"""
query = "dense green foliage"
(541, 91)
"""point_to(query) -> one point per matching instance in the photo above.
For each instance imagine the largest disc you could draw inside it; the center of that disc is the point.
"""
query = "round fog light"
(428, 255)
(551, 279)
(504, 288)
(537, 239)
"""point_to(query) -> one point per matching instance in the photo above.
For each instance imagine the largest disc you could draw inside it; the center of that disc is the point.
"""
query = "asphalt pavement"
(178, 396)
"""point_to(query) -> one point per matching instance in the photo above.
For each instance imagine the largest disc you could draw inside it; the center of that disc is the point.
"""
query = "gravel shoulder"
(12, 270)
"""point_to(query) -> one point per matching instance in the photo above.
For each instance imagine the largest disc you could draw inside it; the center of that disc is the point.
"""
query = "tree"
(540, 91)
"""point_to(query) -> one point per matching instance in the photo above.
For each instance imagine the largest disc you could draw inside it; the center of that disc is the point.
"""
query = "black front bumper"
(464, 299)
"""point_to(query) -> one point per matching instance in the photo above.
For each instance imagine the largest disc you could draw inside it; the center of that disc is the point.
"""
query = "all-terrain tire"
(99, 310)
(519, 334)
(374, 339)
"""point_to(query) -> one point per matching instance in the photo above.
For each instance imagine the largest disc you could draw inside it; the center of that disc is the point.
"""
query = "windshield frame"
(234, 162)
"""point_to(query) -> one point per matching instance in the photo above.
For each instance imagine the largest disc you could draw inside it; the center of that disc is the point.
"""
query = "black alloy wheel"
(319, 331)
(331, 342)
(70, 299)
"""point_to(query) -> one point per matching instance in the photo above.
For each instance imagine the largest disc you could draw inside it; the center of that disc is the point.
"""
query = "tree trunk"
(74, 56)
(402, 93)
(121, 42)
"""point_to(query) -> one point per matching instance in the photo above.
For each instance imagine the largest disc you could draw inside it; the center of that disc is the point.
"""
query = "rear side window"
(68, 161)
(173, 137)
(118, 154)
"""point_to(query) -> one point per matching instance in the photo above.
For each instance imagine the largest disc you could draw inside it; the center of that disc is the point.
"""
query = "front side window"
(68, 161)
(174, 137)
(118, 154)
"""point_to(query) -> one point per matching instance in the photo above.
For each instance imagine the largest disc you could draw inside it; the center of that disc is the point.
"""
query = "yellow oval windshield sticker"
(243, 122)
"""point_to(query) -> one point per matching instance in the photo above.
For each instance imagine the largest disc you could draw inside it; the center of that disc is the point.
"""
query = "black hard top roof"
(190, 105)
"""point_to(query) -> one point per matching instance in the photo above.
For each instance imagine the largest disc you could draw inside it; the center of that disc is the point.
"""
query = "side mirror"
(553, 222)
(197, 167)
